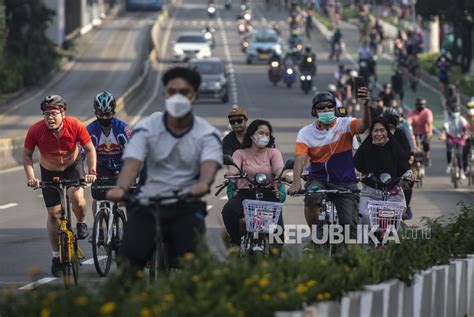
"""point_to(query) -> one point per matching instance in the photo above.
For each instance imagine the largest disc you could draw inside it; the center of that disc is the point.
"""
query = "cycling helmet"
(53, 102)
(353, 73)
(332, 88)
(392, 116)
(387, 85)
(323, 97)
(104, 102)
(420, 102)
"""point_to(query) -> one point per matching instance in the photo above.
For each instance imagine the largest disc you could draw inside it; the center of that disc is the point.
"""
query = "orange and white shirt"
(330, 151)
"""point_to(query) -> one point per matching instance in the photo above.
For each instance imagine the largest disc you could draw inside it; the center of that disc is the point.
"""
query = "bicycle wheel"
(102, 253)
(454, 170)
(75, 263)
(117, 233)
(66, 256)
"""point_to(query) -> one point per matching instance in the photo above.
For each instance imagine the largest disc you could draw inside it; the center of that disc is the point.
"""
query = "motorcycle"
(209, 36)
(228, 4)
(336, 51)
(211, 10)
(244, 27)
(275, 72)
(258, 213)
(306, 82)
(289, 77)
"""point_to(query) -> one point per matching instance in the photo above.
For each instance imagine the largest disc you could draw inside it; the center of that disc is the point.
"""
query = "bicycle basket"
(385, 213)
(100, 187)
(259, 215)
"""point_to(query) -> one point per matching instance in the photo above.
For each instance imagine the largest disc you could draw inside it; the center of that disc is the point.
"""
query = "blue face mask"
(326, 117)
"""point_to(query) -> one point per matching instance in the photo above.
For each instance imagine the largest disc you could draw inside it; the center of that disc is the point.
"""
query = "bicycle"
(108, 226)
(328, 213)
(70, 253)
(456, 156)
(159, 260)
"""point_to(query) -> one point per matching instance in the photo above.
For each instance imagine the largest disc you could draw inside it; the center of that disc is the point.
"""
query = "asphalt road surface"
(23, 238)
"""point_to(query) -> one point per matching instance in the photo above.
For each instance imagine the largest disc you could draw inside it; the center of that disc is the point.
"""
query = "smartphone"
(359, 82)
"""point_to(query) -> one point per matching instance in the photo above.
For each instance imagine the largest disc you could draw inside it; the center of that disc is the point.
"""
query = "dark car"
(214, 78)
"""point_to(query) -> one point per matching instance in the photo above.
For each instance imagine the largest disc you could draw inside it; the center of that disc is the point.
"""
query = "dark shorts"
(425, 142)
(103, 171)
(51, 196)
(182, 226)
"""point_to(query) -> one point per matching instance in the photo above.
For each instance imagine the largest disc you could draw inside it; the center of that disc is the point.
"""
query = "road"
(23, 238)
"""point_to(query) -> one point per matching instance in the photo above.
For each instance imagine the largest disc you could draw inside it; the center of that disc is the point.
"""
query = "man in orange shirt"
(56, 137)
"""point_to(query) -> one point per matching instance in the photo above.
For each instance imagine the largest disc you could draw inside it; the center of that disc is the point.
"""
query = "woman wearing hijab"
(379, 153)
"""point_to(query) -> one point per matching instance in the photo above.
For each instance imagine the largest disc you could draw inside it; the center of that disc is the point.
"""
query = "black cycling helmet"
(420, 102)
(53, 102)
(319, 97)
(392, 116)
(104, 102)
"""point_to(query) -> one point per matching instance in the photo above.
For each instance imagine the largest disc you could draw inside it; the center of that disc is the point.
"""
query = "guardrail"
(443, 290)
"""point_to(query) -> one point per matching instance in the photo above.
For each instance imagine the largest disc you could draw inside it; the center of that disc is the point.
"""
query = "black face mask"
(105, 122)
(420, 108)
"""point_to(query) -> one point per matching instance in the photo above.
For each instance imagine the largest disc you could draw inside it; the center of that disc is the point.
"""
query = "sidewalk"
(385, 71)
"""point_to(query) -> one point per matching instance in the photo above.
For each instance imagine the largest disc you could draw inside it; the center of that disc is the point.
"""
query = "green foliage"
(324, 21)
(253, 287)
(28, 54)
(349, 12)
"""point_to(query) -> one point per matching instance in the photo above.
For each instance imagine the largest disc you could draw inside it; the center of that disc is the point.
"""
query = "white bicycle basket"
(259, 214)
(385, 213)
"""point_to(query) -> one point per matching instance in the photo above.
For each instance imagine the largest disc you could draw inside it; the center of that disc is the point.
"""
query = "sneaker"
(409, 213)
(56, 267)
(448, 169)
(82, 231)
(463, 176)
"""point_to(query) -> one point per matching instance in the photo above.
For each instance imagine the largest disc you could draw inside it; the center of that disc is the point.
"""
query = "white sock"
(81, 222)
(55, 254)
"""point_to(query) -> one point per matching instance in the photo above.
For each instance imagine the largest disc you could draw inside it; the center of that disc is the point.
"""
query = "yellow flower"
(107, 308)
(195, 278)
(44, 312)
(263, 282)
(233, 250)
(145, 312)
(168, 297)
(265, 297)
(301, 289)
(140, 274)
(323, 296)
(248, 282)
(34, 271)
(81, 301)
(188, 256)
(311, 283)
(7, 292)
(282, 295)
(347, 269)
(275, 251)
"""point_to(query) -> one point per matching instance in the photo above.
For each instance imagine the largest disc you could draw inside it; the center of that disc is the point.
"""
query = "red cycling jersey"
(56, 154)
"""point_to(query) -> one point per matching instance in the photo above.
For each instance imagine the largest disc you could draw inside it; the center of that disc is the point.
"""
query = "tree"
(459, 14)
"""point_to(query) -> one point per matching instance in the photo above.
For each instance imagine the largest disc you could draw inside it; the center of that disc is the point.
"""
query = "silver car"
(215, 83)
(190, 45)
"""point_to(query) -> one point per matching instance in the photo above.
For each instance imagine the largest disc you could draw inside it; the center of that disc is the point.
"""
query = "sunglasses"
(323, 106)
(236, 121)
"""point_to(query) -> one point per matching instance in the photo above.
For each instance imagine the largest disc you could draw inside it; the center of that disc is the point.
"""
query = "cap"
(237, 111)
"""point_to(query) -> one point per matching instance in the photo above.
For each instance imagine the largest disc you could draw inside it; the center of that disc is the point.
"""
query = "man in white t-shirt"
(180, 152)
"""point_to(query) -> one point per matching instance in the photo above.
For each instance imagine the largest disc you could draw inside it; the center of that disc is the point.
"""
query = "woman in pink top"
(257, 155)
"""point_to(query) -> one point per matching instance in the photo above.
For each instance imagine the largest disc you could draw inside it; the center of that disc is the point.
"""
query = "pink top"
(267, 163)
(420, 121)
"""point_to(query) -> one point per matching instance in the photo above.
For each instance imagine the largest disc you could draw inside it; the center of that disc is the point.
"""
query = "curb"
(11, 148)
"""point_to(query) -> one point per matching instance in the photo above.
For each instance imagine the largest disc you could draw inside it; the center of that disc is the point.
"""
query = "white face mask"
(262, 141)
(178, 105)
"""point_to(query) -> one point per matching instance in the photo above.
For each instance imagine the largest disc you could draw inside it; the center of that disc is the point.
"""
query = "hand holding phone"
(360, 88)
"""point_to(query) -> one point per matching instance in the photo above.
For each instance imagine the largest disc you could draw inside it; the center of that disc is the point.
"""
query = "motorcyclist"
(308, 61)
(364, 52)
(289, 60)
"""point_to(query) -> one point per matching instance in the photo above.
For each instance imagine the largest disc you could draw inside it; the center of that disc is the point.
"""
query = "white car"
(190, 45)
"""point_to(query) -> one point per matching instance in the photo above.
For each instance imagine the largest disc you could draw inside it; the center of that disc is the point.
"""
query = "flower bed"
(237, 287)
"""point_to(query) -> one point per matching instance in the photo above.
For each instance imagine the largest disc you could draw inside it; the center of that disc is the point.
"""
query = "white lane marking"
(37, 283)
(11, 170)
(209, 207)
(91, 260)
(230, 67)
(157, 81)
(224, 198)
(10, 205)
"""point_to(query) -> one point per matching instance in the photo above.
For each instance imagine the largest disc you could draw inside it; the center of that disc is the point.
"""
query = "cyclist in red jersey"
(56, 137)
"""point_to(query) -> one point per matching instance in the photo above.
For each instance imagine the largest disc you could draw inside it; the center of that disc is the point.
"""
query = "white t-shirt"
(172, 161)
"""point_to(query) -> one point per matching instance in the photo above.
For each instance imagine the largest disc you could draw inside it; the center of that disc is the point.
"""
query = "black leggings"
(182, 228)
(233, 211)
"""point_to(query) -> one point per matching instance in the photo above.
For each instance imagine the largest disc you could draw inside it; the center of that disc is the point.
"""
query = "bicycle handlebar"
(63, 183)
